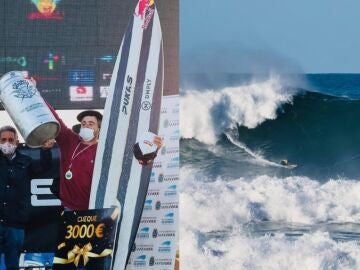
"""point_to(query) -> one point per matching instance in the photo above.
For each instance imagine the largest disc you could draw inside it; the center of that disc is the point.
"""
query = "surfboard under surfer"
(284, 162)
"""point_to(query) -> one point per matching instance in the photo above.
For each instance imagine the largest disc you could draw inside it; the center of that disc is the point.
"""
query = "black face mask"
(146, 159)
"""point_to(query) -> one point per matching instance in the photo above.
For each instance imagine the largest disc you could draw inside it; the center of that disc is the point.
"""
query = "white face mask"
(87, 134)
(7, 148)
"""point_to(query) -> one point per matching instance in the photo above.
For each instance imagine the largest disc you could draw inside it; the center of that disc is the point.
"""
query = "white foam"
(209, 205)
(204, 115)
(212, 204)
(311, 252)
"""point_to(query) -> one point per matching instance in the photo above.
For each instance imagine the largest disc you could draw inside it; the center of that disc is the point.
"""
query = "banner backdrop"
(156, 242)
(157, 237)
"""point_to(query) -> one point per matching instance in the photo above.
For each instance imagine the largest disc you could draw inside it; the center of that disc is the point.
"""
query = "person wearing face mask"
(77, 157)
(16, 171)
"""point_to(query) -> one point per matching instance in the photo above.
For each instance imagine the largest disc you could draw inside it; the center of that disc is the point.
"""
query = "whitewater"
(240, 209)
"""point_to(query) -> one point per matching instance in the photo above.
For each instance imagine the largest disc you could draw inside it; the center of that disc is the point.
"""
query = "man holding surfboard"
(78, 157)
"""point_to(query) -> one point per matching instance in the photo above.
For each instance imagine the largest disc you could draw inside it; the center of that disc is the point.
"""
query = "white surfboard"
(132, 109)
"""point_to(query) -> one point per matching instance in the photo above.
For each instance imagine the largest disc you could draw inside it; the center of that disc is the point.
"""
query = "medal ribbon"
(74, 155)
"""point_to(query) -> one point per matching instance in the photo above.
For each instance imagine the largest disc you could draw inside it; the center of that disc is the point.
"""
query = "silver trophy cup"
(27, 109)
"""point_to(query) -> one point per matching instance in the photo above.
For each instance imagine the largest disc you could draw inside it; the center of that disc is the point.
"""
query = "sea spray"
(229, 207)
(207, 114)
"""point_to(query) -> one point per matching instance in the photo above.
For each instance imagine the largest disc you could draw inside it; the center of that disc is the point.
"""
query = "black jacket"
(15, 196)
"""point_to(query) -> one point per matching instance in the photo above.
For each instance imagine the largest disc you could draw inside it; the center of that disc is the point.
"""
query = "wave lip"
(207, 114)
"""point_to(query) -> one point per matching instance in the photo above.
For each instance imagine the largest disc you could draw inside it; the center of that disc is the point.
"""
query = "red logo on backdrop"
(81, 90)
(81, 93)
(43, 78)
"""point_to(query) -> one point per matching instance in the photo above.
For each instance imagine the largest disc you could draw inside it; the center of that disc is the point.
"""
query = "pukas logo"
(46, 10)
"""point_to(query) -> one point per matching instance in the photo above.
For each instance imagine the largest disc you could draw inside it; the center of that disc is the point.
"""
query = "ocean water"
(242, 209)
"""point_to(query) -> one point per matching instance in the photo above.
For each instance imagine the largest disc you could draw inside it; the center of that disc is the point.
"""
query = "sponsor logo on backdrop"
(148, 205)
(148, 220)
(171, 177)
(104, 91)
(41, 194)
(39, 78)
(168, 233)
(171, 191)
(144, 232)
(161, 178)
(158, 205)
(165, 247)
(21, 60)
(106, 58)
(140, 261)
(169, 150)
(144, 248)
(106, 76)
(168, 178)
(170, 123)
(157, 164)
(46, 10)
(81, 93)
(50, 91)
(166, 205)
(168, 219)
(174, 163)
(157, 261)
(175, 136)
(51, 59)
(81, 76)
(153, 192)
(152, 177)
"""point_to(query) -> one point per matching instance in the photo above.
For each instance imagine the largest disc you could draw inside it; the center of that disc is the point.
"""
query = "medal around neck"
(68, 175)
